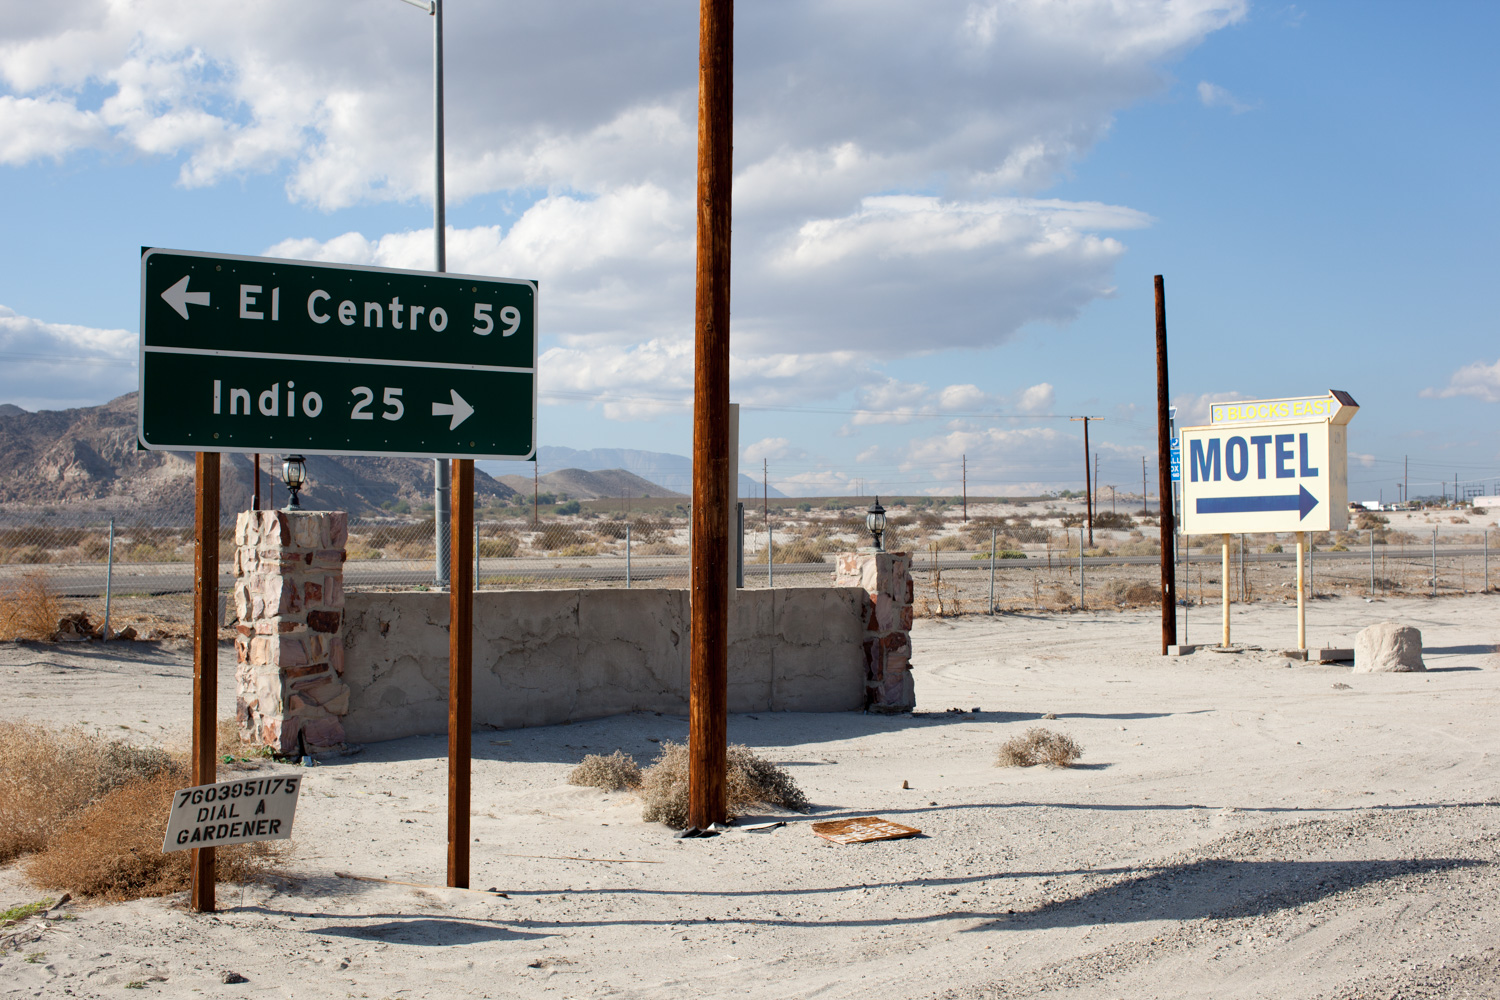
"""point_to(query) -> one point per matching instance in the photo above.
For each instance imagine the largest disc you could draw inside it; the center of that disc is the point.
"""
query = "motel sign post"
(1273, 465)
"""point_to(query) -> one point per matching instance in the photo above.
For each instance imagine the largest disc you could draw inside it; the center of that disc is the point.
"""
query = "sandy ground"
(1242, 826)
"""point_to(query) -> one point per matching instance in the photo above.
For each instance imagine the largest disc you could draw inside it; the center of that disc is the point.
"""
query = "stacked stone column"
(289, 598)
(886, 577)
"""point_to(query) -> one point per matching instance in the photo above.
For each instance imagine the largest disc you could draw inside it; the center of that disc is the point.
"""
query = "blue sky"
(943, 212)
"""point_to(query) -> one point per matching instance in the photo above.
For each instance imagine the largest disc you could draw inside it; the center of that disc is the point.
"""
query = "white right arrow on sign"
(459, 410)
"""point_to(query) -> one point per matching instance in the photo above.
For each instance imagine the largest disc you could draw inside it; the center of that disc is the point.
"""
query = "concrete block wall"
(289, 599)
(886, 578)
(547, 657)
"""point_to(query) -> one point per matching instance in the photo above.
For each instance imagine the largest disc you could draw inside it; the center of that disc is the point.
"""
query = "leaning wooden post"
(1301, 591)
(708, 720)
(1224, 580)
(1164, 479)
(460, 670)
(205, 655)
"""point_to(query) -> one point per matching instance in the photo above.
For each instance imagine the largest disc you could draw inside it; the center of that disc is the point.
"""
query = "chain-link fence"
(140, 570)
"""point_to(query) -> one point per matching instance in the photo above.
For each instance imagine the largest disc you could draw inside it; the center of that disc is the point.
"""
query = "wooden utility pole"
(1088, 477)
(708, 719)
(1164, 478)
(255, 500)
(460, 671)
(205, 656)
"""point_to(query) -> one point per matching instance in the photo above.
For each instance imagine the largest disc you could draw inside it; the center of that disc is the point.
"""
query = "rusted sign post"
(708, 720)
(1164, 478)
(205, 655)
(460, 671)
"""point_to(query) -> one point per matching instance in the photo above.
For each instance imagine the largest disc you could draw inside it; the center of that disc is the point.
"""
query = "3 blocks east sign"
(1268, 466)
(245, 354)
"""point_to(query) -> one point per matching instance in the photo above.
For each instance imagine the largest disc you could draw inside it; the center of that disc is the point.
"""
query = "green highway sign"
(259, 354)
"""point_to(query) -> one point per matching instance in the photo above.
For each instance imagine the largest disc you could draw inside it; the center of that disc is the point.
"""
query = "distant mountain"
(580, 484)
(86, 459)
(673, 472)
(11, 410)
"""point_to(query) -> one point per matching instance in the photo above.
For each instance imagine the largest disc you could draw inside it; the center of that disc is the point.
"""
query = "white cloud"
(1036, 399)
(1478, 380)
(1211, 95)
(1193, 411)
(46, 365)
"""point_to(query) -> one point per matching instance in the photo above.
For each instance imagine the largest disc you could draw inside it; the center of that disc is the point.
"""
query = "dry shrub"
(47, 777)
(1132, 593)
(752, 781)
(1039, 746)
(614, 773)
(112, 849)
(28, 608)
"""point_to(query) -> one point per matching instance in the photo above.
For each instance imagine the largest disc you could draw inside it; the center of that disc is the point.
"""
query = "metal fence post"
(1486, 560)
(1372, 562)
(770, 557)
(739, 550)
(627, 557)
(1312, 591)
(109, 572)
(1081, 604)
(1434, 561)
(992, 571)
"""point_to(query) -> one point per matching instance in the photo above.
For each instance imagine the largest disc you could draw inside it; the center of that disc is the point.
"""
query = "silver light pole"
(442, 485)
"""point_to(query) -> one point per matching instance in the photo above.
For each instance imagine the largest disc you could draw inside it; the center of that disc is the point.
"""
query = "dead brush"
(28, 608)
(47, 777)
(1039, 746)
(112, 848)
(92, 813)
(752, 781)
(613, 773)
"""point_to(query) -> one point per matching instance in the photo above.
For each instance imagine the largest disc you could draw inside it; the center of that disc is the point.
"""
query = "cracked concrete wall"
(543, 657)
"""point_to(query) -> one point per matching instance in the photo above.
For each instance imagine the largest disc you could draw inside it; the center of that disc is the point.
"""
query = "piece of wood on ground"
(862, 829)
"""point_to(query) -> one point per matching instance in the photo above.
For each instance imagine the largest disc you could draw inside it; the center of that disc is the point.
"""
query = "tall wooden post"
(460, 671)
(1301, 590)
(708, 721)
(1088, 483)
(205, 655)
(1164, 478)
(1224, 580)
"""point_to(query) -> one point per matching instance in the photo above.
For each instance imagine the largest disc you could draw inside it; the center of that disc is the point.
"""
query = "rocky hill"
(581, 485)
(86, 459)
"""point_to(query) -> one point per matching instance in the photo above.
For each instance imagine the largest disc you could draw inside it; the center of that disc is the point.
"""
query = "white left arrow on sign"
(459, 409)
(179, 298)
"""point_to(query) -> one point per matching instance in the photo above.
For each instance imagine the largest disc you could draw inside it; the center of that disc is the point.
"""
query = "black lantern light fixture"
(875, 521)
(294, 474)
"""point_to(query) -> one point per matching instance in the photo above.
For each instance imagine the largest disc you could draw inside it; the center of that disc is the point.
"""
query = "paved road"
(176, 578)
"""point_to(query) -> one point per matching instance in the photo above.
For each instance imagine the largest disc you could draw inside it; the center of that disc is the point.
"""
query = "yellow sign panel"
(1336, 407)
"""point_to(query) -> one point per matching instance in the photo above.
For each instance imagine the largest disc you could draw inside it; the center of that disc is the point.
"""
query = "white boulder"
(1387, 648)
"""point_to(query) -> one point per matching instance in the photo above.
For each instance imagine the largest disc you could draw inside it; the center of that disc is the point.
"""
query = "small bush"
(28, 608)
(752, 781)
(47, 777)
(1132, 593)
(999, 554)
(1039, 746)
(112, 848)
(502, 547)
(614, 773)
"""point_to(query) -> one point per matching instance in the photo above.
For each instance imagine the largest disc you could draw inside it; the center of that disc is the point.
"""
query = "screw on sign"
(247, 354)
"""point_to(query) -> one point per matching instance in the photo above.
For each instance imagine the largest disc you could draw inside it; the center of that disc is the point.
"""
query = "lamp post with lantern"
(294, 474)
(875, 522)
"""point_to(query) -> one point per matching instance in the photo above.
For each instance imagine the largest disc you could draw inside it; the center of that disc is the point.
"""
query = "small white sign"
(232, 812)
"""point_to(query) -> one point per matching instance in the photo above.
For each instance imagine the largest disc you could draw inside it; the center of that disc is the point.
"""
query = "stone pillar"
(886, 577)
(289, 598)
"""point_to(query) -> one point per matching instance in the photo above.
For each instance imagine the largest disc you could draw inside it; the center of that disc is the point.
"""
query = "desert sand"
(1241, 825)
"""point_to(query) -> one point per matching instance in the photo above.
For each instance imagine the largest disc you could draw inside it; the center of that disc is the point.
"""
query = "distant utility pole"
(1145, 504)
(966, 488)
(1088, 478)
(765, 491)
(535, 478)
(1405, 478)
(1111, 499)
